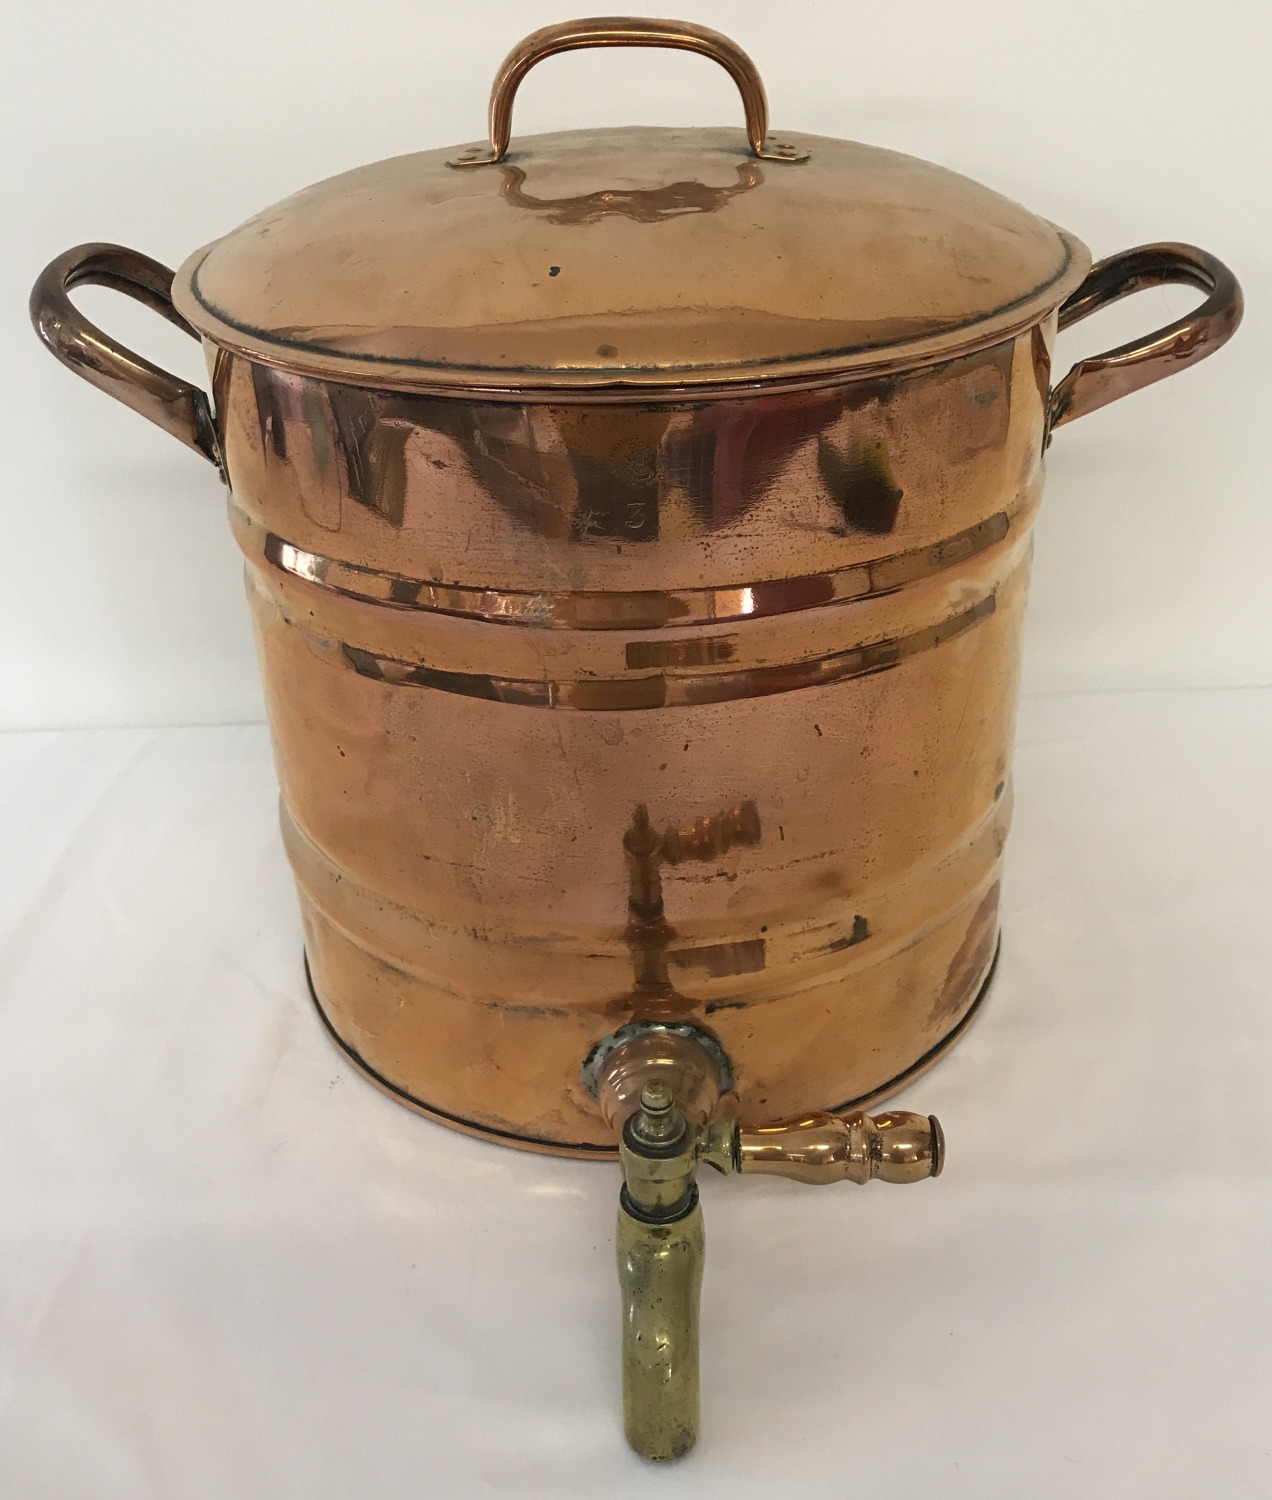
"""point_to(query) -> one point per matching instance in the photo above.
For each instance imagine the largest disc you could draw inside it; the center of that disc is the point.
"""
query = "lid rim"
(633, 383)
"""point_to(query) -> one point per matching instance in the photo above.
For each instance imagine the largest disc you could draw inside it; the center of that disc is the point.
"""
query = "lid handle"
(627, 31)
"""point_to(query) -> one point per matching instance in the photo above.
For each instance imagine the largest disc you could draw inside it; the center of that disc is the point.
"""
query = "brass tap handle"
(627, 31)
(898, 1146)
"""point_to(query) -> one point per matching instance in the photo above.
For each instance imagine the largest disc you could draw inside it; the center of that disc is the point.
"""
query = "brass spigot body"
(660, 1248)
(660, 1240)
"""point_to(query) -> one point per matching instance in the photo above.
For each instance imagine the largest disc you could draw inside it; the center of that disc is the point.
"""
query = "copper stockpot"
(638, 527)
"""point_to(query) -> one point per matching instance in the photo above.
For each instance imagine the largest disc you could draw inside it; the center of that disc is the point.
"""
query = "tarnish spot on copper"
(859, 933)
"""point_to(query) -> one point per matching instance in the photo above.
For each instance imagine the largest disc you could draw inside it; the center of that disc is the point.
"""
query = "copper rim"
(822, 372)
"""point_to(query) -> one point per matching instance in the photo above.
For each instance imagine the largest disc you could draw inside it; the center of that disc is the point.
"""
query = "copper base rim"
(583, 1151)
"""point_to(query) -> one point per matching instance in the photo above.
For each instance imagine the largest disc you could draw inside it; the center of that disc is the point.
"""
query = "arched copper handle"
(171, 403)
(627, 31)
(1102, 378)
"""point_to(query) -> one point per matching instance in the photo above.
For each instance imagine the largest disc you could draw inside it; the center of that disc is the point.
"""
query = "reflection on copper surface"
(692, 651)
(602, 476)
(270, 415)
(639, 611)
(733, 453)
(670, 690)
(634, 474)
(971, 960)
(860, 477)
(373, 452)
(712, 838)
(648, 933)
(645, 205)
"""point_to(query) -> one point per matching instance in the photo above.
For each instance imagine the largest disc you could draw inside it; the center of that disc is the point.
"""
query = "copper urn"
(638, 527)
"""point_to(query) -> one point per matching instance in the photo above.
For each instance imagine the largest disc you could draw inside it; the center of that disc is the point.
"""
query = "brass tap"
(660, 1252)
(660, 1237)
(898, 1146)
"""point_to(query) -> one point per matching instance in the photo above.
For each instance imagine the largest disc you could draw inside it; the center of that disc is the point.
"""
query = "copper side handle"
(1102, 378)
(171, 403)
(627, 31)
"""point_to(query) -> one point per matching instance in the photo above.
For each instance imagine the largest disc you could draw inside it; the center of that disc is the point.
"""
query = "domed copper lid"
(629, 259)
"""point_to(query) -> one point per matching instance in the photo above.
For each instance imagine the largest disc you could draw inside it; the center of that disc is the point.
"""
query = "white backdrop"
(228, 1267)
(162, 126)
